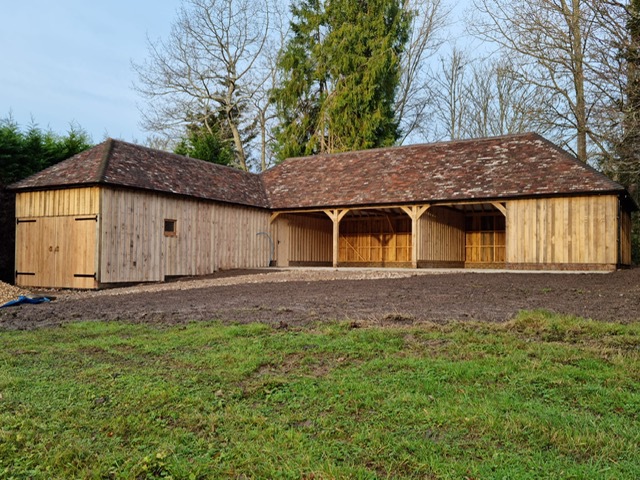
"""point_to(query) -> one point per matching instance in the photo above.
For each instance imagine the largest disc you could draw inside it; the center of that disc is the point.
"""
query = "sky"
(69, 61)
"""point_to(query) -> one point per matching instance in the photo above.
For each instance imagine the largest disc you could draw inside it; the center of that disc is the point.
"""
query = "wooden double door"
(56, 252)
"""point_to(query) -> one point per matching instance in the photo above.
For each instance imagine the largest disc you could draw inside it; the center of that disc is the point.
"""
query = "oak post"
(336, 215)
(415, 212)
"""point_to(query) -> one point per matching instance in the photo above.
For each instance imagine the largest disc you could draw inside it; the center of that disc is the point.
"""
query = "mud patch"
(304, 298)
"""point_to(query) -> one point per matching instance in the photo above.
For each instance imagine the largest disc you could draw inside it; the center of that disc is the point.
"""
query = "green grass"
(543, 396)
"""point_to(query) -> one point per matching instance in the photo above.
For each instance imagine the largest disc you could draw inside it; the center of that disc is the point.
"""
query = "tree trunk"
(578, 78)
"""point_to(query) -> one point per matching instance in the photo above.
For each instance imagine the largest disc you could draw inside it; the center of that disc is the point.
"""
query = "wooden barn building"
(121, 213)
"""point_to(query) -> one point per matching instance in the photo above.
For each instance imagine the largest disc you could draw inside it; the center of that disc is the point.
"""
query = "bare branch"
(208, 64)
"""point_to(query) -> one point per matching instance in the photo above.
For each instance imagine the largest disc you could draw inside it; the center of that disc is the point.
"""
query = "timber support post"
(415, 212)
(336, 215)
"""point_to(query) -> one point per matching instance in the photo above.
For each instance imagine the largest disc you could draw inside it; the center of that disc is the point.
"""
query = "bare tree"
(616, 67)
(207, 64)
(429, 21)
(480, 98)
(449, 91)
(555, 37)
(500, 103)
(261, 101)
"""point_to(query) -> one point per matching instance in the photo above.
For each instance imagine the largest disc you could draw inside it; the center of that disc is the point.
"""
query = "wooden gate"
(57, 252)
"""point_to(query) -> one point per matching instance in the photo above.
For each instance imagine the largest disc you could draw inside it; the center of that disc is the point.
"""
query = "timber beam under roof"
(406, 208)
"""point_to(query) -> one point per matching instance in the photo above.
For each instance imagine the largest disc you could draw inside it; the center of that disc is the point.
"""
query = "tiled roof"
(494, 168)
(491, 168)
(118, 163)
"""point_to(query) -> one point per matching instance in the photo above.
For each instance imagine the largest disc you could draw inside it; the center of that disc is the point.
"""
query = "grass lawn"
(542, 396)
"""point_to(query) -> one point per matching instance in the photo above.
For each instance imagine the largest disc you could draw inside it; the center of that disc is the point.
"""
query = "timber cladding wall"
(208, 236)
(441, 238)
(375, 239)
(52, 203)
(559, 231)
(303, 239)
(85, 237)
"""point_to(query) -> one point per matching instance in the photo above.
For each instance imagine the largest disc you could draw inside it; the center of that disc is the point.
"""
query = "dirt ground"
(302, 297)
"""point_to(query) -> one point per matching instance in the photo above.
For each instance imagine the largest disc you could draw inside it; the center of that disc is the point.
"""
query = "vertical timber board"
(280, 234)
(57, 252)
(577, 206)
(130, 237)
(108, 232)
(204, 244)
(239, 244)
(223, 235)
(625, 237)
(576, 230)
(529, 239)
(35, 244)
(54, 203)
(169, 210)
(543, 236)
(610, 235)
(596, 237)
(514, 246)
(65, 243)
(556, 241)
(46, 264)
(105, 248)
(441, 235)
(26, 233)
(75, 259)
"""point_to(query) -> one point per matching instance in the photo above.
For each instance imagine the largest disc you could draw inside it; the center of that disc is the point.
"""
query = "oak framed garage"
(513, 202)
(121, 213)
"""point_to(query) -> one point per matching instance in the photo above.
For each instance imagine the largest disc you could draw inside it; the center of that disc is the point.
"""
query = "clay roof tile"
(491, 168)
(122, 164)
(494, 168)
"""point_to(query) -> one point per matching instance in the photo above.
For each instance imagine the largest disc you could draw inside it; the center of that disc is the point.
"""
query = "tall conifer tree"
(340, 72)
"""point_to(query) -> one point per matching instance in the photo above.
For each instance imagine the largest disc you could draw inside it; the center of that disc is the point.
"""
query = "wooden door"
(282, 242)
(35, 252)
(76, 252)
(56, 252)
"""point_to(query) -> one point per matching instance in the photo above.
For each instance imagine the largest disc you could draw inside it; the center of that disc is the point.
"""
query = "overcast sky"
(70, 60)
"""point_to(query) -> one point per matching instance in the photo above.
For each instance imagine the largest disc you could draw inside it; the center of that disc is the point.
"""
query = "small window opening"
(169, 228)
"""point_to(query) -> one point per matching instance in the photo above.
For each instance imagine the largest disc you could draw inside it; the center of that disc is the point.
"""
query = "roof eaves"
(167, 193)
